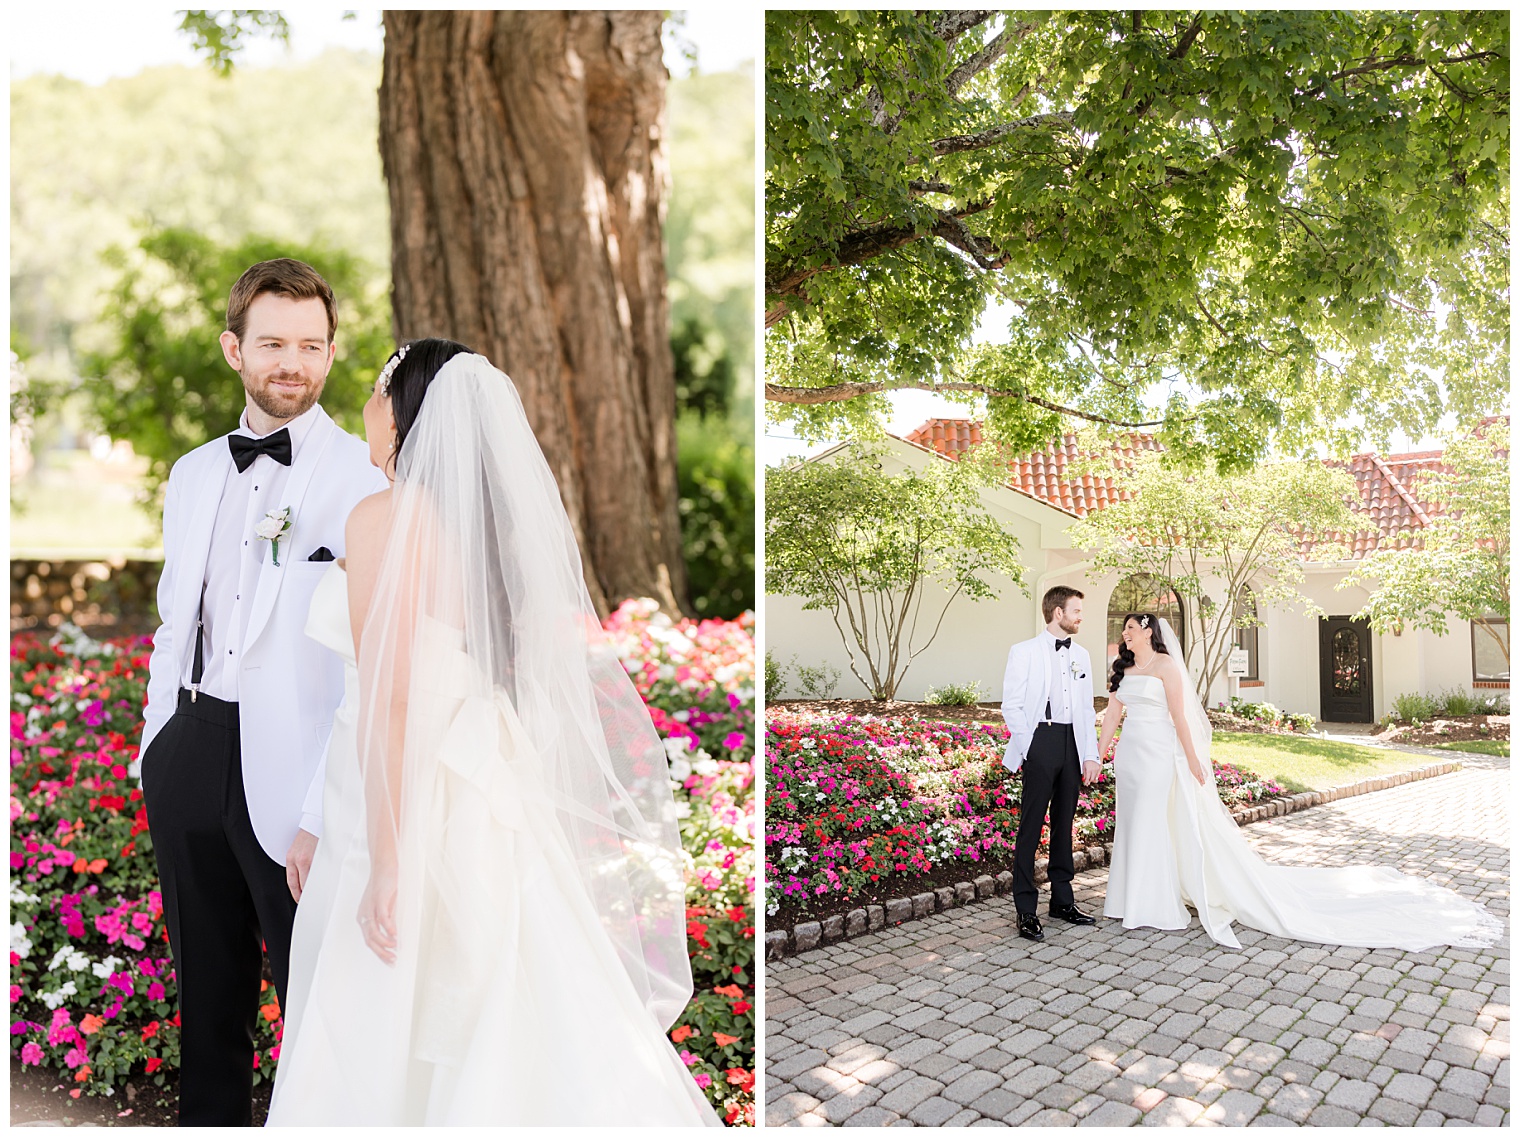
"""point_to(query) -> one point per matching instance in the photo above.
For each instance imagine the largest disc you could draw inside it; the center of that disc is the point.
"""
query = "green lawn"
(1496, 746)
(1299, 764)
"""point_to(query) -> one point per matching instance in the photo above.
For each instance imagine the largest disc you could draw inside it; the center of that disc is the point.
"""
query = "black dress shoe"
(1072, 915)
(1029, 927)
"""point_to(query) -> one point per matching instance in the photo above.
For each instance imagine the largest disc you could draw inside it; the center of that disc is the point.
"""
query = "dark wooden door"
(1345, 669)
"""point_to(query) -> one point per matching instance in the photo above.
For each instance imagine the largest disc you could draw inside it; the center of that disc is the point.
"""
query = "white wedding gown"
(539, 1026)
(1175, 844)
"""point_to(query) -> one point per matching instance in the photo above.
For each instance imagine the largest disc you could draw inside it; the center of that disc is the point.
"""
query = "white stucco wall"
(973, 642)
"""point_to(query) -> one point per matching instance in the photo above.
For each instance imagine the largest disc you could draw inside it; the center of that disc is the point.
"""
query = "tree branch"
(1187, 39)
(842, 392)
(952, 25)
(986, 57)
(982, 139)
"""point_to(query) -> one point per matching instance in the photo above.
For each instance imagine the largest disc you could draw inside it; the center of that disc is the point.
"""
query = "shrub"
(775, 677)
(1414, 707)
(955, 695)
(817, 682)
(92, 980)
(1458, 702)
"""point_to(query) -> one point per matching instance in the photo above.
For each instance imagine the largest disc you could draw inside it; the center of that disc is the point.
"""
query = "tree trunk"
(525, 156)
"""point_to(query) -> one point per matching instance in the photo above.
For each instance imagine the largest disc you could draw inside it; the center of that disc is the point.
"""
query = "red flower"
(154, 1064)
(741, 1008)
(681, 1033)
(744, 1079)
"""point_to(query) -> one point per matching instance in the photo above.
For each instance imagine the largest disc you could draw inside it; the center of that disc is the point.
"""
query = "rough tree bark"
(525, 156)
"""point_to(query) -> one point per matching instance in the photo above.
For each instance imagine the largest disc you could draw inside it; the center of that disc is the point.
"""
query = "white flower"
(19, 943)
(704, 764)
(682, 715)
(675, 747)
(683, 809)
(78, 961)
(680, 769)
(274, 525)
(18, 897)
(56, 999)
(106, 967)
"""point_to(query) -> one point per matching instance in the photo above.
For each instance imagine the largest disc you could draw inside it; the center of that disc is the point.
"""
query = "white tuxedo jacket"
(288, 684)
(1026, 686)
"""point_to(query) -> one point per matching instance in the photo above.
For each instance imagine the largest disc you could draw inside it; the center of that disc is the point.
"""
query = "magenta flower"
(31, 1054)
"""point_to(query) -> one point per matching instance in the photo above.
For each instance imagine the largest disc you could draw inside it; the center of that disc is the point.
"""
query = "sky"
(98, 42)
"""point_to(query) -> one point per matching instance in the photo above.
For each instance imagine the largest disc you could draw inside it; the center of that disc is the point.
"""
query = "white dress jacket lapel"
(270, 575)
(190, 572)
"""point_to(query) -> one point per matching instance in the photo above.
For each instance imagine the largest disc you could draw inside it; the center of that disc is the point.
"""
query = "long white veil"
(1198, 719)
(480, 627)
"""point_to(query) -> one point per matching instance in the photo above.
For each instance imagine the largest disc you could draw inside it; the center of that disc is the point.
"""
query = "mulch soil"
(1460, 728)
(978, 712)
(41, 1097)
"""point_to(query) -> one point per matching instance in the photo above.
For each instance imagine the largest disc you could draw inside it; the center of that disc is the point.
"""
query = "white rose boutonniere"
(276, 524)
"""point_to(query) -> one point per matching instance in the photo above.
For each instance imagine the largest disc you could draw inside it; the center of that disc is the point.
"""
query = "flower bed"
(859, 809)
(92, 981)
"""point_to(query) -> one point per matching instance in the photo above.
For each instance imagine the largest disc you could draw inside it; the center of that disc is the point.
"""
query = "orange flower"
(681, 1033)
(732, 991)
(81, 865)
(83, 1075)
(90, 1024)
(270, 1011)
(98, 865)
(724, 1039)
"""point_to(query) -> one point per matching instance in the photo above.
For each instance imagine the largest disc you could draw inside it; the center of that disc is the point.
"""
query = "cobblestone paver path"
(954, 1020)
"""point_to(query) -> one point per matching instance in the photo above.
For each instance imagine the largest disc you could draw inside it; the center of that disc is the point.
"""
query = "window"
(1143, 593)
(1248, 638)
(1490, 644)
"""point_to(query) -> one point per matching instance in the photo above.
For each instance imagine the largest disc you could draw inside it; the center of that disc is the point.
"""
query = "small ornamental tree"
(877, 551)
(1218, 540)
(1461, 566)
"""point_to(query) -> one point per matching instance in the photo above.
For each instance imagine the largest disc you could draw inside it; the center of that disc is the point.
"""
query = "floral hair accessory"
(1145, 621)
(383, 384)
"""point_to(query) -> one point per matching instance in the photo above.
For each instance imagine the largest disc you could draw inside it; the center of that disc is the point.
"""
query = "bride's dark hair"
(1126, 658)
(412, 376)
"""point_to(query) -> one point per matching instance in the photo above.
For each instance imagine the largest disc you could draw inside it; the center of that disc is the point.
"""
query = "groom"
(240, 701)
(1048, 706)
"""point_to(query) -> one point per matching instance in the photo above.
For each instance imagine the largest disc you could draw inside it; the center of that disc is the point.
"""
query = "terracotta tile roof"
(1388, 486)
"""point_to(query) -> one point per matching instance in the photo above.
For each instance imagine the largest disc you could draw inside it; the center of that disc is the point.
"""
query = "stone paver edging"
(811, 934)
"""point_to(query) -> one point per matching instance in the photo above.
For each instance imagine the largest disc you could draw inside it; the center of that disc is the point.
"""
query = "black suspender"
(199, 667)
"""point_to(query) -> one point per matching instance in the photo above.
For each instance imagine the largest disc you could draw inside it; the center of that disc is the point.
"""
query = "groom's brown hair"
(1057, 598)
(285, 277)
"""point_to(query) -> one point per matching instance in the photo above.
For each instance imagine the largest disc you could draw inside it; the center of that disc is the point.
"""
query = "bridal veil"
(481, 613)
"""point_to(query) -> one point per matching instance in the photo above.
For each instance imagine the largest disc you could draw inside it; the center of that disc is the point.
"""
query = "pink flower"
(711, 880)
(15, 993)
(156, 991)
(31, 1054)
(735, 740)
(703, 1080)
(689, 1058)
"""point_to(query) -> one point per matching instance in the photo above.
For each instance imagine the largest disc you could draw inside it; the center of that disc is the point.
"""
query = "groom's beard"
(1069, 629)
(278, 403)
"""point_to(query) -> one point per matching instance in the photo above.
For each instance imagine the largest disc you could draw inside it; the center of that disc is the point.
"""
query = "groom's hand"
(1090, 772)
(298, 862)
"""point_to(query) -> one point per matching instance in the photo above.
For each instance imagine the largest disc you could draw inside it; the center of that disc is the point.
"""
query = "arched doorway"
(1142, 592)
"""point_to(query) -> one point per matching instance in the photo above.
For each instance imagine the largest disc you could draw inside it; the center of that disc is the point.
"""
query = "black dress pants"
(222, 896)
(1052, 780)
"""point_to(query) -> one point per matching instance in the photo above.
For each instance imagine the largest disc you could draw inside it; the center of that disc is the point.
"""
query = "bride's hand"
(1197, 771)
(377, 914)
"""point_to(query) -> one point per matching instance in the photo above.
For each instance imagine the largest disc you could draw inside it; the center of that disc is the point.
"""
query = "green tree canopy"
(1461, 565)
(1245, 228)
(867, 547)
(1217, 541)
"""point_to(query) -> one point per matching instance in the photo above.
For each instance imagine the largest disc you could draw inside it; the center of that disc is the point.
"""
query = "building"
(1332, 666)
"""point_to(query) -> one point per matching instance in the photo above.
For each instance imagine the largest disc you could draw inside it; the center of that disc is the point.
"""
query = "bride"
(493, 929)
(1176, 845)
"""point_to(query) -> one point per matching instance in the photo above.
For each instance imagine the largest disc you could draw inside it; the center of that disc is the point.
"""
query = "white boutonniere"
(276, 524)
(1076, 672)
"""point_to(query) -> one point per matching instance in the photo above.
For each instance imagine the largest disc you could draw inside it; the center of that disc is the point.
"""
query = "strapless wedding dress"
(539, 1025)
(1175, 844)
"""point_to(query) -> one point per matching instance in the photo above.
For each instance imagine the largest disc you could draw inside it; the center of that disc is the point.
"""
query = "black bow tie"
(245, 449)
(1063, 643)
